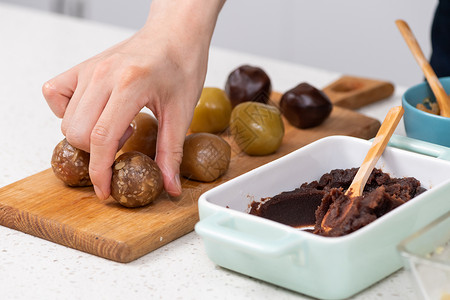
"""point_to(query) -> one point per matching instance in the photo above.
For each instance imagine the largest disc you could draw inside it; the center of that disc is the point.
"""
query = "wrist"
(193, 21)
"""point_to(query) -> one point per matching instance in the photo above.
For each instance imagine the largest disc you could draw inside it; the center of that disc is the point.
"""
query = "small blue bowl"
(422, 125)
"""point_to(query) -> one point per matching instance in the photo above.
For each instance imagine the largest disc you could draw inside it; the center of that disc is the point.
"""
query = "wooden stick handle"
(436, 86)
(378, 145)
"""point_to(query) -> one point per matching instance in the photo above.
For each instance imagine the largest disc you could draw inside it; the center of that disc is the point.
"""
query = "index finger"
(59, 90)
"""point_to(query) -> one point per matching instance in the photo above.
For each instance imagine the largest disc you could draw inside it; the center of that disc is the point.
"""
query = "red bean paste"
(323, 205)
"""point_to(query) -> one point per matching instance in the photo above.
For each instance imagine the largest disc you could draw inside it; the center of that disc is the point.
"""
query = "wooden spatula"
(376, 149)
(378, 145)
(442, 98)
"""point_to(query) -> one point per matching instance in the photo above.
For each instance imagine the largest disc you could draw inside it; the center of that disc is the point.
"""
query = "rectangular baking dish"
(322, 267)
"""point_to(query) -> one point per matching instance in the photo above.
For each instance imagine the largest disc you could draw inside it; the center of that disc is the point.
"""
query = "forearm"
(192, 21)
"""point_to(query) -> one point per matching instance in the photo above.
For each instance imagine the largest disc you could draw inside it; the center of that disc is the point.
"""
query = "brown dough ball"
(71, 164)
(305, 106)
(136, 179)
(248, 83)
(206, 157)
(143, 138)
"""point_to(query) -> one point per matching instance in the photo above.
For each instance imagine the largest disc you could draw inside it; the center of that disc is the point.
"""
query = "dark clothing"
(440, 39)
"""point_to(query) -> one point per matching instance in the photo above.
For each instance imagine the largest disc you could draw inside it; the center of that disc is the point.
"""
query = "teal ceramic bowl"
(422, 125)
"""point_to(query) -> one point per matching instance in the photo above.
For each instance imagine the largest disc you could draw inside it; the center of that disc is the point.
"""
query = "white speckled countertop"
(36, 46)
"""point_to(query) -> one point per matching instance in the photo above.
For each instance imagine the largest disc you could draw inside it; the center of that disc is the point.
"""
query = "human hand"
(162, 67)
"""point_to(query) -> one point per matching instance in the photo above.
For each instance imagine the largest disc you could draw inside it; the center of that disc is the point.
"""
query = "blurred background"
(354, 37)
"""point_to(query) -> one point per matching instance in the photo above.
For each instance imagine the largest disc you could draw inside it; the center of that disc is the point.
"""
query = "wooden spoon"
(378, 145)
(376, 149)
(442, 98)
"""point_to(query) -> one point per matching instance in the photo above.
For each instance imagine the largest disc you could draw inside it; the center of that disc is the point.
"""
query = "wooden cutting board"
(43, 206)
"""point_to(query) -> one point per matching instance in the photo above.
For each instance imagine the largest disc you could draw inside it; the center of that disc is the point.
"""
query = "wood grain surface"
(43, 206)
(355, 92)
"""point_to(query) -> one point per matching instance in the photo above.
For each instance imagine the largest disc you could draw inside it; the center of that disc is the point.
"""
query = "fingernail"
(176, 186)
(177, 182)
(99, 192)
(49, 85)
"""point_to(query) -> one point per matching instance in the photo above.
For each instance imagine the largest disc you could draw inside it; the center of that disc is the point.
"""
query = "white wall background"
(356, 37)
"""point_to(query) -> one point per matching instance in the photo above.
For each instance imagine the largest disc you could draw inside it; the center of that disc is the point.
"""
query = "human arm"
(162, 67)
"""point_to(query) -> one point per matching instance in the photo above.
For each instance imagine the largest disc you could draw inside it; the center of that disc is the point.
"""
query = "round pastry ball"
(206, 157)
(71, 164)
(305, 106)
(248, 83)
(213, 111)
(257, 128)
(143, 138)
(136, 179)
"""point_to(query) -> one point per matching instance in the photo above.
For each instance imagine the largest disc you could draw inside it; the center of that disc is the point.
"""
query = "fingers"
(83, 112)
(69, 113)
(58, 91)
(94, 120)
(111, 129)
(173, 125)
(97, 119)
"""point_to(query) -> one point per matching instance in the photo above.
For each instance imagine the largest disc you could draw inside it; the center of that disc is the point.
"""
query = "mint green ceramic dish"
(326, 268)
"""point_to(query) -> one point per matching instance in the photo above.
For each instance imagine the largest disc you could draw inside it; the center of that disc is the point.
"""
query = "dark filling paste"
(323, 205)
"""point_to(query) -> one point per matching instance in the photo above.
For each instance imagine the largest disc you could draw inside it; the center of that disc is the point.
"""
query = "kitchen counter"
(36, 46)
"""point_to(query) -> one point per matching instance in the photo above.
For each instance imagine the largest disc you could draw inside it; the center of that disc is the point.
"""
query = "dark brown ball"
(206, 157)
(248, 83)
(71, 164)
(305, 106)
(136, 179)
